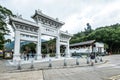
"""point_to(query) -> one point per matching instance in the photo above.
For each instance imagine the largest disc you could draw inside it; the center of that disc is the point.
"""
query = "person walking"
(92, 57)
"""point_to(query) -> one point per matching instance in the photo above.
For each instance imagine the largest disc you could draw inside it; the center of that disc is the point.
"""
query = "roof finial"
(57, 19)
(66, 31)
(39, 11)
(19, 16)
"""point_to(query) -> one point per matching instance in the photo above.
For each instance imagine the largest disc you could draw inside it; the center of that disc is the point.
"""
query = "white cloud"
(97, 15)
(71, 23)
(75, 13)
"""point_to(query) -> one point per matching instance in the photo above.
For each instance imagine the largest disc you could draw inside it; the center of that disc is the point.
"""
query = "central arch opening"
(28, 50)
(48, 46)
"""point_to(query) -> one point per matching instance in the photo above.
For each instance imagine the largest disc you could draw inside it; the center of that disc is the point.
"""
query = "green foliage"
(31, 47)
(49, 46)
(4, 13)
(82, 36)
(110, 35)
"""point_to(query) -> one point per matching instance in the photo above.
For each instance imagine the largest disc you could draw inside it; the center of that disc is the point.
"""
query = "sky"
(75, 13)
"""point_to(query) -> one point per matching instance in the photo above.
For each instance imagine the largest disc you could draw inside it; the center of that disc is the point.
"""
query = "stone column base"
(67, 55)
(16, 57)
(58, 56)
(39, 56)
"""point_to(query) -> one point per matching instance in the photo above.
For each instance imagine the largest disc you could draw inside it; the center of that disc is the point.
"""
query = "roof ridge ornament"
(18, 16)
(57, 19)
(39, 11)
(66, 31)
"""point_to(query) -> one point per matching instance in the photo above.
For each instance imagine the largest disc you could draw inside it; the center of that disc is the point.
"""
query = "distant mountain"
(10, 46)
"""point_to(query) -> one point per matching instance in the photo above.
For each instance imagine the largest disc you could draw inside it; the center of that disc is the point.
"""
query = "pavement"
(33, 75)
(44, 64)
(109, 69)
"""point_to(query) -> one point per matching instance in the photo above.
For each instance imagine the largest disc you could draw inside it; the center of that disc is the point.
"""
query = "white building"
(87, 47)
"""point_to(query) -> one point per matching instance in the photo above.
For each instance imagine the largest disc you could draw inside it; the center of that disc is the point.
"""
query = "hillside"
(10, 46)
(109, 35)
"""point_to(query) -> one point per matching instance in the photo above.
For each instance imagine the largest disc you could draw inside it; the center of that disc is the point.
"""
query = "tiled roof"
(83, 43)
(21, 20)
(44, 15)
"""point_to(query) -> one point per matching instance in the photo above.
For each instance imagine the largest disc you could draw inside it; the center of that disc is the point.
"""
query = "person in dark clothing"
(27, 56)
(92, 57)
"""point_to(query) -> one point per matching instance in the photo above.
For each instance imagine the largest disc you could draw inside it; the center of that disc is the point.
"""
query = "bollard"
(50, 63)
(32, 64)
(19, 65)
(65, 63)
(88, 60)
(101, 59)
(92, 63)
(35, 57)
(95, 60)
(98, 58)
(77, 62)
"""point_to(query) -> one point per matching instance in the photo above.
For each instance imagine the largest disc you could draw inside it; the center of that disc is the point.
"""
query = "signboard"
(1, 54)
(8, 55)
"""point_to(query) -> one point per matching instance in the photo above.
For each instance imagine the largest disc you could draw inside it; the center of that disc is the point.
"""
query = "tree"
(110, 35)
(4, 14)
(82, 36)
(30, 47)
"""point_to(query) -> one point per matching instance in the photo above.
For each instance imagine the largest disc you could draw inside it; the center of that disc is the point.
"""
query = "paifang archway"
(32, 31)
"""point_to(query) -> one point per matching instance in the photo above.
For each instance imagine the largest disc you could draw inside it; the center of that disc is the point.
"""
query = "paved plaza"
(32, 75)
(109, 70)
(42, 64)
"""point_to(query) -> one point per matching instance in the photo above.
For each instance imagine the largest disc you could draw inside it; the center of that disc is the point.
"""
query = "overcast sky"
(75, 13)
